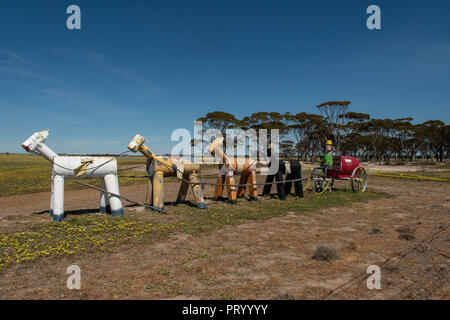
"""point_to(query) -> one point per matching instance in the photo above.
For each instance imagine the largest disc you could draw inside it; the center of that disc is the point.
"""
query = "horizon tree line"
(303, 135)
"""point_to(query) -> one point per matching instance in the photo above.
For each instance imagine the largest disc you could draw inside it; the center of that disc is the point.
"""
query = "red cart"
(343, 168)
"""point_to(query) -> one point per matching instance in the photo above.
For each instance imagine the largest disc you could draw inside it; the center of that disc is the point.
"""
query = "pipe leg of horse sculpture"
(104, 202)
(183, 190)
(149, 193)
(227, 178)
(231, 189)
(295, 169)
(52, 197)
(196, 190)
(158, 190)
(218, 190)
(112, 185)
(253, 189)
(279, 179)
(241, 189)
(248, 176)
(58, 198)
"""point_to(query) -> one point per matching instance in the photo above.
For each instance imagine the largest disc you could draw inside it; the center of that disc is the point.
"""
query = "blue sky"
(150, 67)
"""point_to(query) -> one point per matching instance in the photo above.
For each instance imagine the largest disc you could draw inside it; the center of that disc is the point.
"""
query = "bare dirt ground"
(18, 210)
(409, 167)
(407, 235)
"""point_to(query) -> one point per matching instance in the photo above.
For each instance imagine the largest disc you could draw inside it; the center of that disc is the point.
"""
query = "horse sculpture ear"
(137, 141)
(44, 134)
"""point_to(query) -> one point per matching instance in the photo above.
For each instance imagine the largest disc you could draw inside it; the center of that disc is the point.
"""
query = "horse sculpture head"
(32, 142)
(136, 143)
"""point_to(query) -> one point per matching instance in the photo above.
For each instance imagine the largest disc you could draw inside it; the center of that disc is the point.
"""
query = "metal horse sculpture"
(292, 169)
(227, 170)
(159, 167)
(77, 167)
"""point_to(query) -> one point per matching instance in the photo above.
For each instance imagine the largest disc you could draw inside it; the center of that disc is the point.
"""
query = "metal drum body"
(99, 168)
(166, 166)
(344, 168)
(66, 167)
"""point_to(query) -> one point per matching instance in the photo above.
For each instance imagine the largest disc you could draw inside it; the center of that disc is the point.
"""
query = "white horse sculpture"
(77, 167)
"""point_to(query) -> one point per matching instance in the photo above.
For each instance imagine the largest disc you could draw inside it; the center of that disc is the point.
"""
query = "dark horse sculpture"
(293, 170)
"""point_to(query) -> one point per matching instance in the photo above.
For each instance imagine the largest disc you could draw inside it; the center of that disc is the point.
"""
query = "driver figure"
(326, 160)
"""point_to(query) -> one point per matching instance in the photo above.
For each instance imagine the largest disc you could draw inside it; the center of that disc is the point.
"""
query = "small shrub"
(392, 268)
(375, 231)
(406, 233)
(352, 246)
(326, 253)
(284, 295)
(164, 272)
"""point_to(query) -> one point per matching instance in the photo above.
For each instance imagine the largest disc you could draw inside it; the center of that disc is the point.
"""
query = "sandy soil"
(270, 259)
(437, 167)
(410, 167)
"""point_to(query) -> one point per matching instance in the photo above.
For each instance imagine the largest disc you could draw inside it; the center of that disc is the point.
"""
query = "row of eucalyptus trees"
(303, 135)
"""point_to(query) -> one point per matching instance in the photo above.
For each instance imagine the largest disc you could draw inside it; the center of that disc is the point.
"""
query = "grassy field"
(88, 233)
(21, 174)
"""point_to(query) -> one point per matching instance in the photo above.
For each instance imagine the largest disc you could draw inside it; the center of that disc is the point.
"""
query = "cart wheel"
(319, 183)
(359, 180)
(331, 185)
(317, 180)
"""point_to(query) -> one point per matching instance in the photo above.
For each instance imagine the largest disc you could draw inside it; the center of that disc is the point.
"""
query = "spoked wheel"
(359, 180)
(319, 183)
(331, 184)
